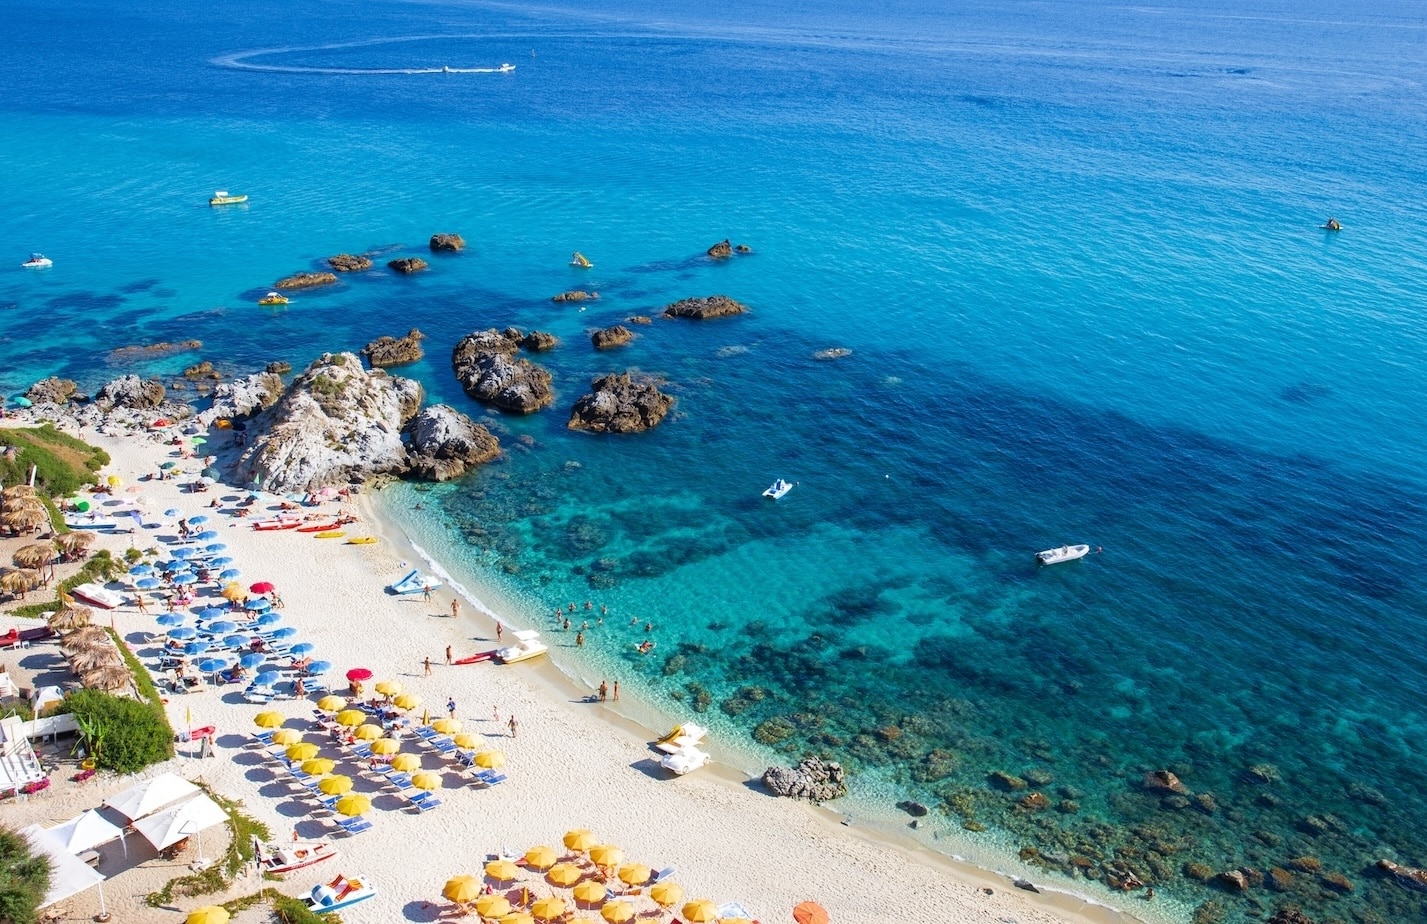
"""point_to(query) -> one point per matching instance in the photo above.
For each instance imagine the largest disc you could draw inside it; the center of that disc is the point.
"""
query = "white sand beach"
(573, 765)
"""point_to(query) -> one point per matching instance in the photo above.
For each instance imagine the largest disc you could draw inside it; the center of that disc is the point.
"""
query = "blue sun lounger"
(354, 825)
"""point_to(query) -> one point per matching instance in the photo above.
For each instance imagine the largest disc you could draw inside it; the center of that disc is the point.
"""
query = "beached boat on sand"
(1064, 553)
(90, 520)
(682, 736)
(277, 523)
(527, 646)
(414, 583)
(779, 488)
(284, 858)
(99, 596)
(339, 893)
(684, 760)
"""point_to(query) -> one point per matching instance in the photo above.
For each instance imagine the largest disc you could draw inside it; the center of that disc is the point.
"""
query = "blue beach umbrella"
(222, 627)
(252, 659)
(230, 574)
(259, 605)
(221, 562)
(196, 648)
(284, 632)
(268, 619)
(183, 633)
(213, 665)
(207, 534)
(184, 553)
(235, 641)
(215, 547)
(141, 570)
(198, 520)
(182, 579)
(148, 583)
(319, 667)
(171, 619)
(302, 648)
(173, 512)
(267, 678)
(212, 612)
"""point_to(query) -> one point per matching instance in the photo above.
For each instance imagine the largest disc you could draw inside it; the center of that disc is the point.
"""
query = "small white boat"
(99, 596)
(284, 858)
(1064, 553)
(506, 68)
(527, 646)
(38, 261)
(223, 197)
(339, 893)
(682, 736)
(685, 760)
(414, 583)
(89, 520)
(779, 488)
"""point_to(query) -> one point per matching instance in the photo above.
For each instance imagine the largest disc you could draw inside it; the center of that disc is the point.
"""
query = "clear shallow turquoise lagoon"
(1075, 252)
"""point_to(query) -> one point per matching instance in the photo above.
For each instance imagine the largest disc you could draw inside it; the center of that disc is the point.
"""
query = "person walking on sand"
(604, 691)
(455, 608)
(426, 593)
(451, 706)
(498, 630)
(448, 654)
(428, 665)
(616, 691)
(513, 725)
(139, 603)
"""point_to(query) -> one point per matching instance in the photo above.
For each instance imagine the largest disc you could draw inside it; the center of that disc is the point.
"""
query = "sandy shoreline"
(574, 764)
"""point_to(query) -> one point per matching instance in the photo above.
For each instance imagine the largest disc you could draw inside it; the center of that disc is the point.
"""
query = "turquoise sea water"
(1075, 251)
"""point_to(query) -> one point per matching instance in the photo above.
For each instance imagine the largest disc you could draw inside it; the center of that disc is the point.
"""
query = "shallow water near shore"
(1075, 254)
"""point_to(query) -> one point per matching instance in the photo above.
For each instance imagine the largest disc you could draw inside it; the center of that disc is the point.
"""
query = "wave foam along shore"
(573, 764)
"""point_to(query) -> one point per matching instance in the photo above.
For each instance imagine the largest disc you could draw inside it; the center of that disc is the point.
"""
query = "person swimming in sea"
(1332, 224)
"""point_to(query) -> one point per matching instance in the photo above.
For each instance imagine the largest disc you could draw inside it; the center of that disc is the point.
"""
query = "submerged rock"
(611, 337)
(486, 366)
(52, 390)
(137, 352)
(620, 404)
(1407, 875)
(452, 243)
(834, 353)
(445, 443)
(639, 319)
(130, 391)
(1289, 914)
(812, 779)
(1164, 781)
(915, 809)
(349, 263)
(699, 309)
(576, 295)
(395, 351)
(337, 422)
(306, 280)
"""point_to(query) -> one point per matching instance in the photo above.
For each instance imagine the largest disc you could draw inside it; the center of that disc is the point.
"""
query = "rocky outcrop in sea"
(385, 352)
(620, 404)
(52, 390)
(408, 265)
(723, 250)
(813, 779)
(338, 422)
(451, 243)
(538, 341)
(611, 337)
(349, 263)
(488, 369)
(576, 295)
(306, 280)
(446, 443)
(130, 391)
(699, 309)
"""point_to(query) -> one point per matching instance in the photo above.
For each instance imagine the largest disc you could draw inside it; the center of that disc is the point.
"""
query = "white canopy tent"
(168, 827)
(151, 795)
(85, 832)
(68, 874)
(44, 696)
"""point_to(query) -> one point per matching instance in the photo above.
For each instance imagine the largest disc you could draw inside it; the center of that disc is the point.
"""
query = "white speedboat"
(90, 520)
(684, 760)
(38, 261)
(284, 858)
(99, 596)
(506, 68)
(779, 488)
(339, 893)
(682, 736)
(1064, 553)
(414, 583)
(527, 646)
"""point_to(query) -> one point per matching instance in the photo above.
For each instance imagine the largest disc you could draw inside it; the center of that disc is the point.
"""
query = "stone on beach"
(620, 404)
(244, 396)
(52, 390)
(445, 443)
(130, 391)
(813, 779)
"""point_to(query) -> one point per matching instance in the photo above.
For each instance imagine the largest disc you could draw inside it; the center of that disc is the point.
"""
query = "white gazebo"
(151, 795)
(166, 828)
(68, 874)
(85, 832)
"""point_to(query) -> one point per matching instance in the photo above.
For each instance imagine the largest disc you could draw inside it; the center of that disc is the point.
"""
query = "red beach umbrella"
(810, 913)
(262, 587)
(359, 674)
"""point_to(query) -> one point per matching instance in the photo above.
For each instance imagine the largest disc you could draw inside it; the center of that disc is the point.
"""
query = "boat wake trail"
(243, 60)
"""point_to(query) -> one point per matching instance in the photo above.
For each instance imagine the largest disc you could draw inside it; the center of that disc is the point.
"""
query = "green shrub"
(24, 878)
(142, 681)
(121, 734)
(63, 464)
(295, 911)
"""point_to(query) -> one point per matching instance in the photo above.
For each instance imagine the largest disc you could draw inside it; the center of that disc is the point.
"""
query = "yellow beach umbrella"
(591, 892)
(351, 718)
(353, 804)
(335, 785)
(700, 911)
(580, 839)
(502, 870)
(208, 914)
(114, 481)
(547, 909)
(517, 917)
(407, 701)
(492, 906)
(269, 719)
(462, 889)
(318, 766)
(490, 759)
(602, 854)
(667, 894)
(617, 912)
(386, 746)
(287, 736)
(368, 732)
(635, 873)
(305, 750)
(447, 726)
(405, 763)
(540, 857)
(466, 741)
(233, 591)
(427, 781)
(388, 687)
(331, 703)
(564, 874)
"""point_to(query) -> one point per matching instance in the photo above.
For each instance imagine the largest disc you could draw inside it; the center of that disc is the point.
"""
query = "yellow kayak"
(332, 534)
(363, 540)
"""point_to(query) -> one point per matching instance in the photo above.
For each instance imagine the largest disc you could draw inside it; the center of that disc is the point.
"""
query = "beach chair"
(354, 825)
(399, 780)
(262, 739)
(443, 744)
(490, 778)
(316, 685)
(422, 801)
(663, 874)
(361, 749)
(427, 732)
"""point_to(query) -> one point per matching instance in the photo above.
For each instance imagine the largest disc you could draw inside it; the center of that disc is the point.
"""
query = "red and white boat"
(284, 858)
(277, 523)
(96, 595)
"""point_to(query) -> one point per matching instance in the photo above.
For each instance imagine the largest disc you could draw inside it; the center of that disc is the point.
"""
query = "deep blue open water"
(1075, 251)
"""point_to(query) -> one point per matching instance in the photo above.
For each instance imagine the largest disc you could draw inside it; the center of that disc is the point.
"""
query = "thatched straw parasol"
(77, 541)
(20, 581)
(26, 518)
(34, 555)
(95, 657)
(85, 637)
(19, 490)
(71, 616)
(110, 678)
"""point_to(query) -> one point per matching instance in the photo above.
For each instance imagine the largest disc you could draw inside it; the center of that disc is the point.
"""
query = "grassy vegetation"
(142, 681)
(63, 464)
(24, 879)
(219, 875)
(121, 734)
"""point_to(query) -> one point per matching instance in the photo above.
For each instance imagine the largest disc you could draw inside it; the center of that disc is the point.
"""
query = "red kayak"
(318, 529)
(476, 658)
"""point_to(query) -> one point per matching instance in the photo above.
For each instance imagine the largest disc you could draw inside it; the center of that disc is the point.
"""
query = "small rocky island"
(445, 443)
(349, 263)
(488, 369)
(700, 309)
(407, 265)
(723, 250)
(611, 337)
(306, 280)
(450, 243)
(577, 295)
(620, 404)
(385, 352)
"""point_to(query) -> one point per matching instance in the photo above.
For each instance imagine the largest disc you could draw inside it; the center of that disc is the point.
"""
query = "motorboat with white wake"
(1064, 553)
